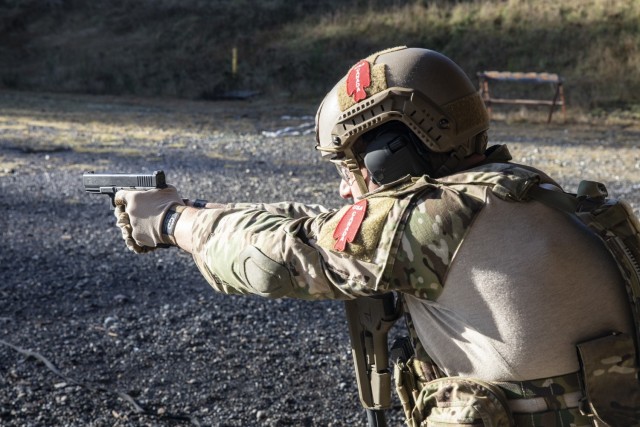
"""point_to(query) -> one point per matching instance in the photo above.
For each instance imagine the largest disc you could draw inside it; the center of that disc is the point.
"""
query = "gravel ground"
(92, 335)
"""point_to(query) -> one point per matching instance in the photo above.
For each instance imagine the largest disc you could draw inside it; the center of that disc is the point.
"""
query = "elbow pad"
(262, 275)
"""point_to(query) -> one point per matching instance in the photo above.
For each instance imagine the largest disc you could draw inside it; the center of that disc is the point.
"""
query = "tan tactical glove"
(147, 218)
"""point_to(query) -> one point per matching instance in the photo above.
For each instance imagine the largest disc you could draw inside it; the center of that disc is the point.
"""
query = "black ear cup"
(392, 154)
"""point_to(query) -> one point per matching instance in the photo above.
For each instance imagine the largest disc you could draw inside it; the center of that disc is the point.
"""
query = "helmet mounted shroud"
(420, 88)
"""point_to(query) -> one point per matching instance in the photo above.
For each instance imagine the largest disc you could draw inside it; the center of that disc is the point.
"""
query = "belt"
(541, 404)
(551, 401)
(564, 391)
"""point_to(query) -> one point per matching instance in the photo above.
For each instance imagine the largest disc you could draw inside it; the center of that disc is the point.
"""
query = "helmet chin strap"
(362, 183)
(355, 169)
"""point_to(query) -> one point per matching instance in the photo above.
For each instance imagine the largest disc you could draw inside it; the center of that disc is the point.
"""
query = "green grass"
(300, 49)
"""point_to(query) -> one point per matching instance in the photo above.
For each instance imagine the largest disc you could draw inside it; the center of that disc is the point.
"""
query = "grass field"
(297, 50)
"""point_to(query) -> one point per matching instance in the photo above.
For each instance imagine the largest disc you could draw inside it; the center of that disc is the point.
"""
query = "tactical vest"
(609, 376)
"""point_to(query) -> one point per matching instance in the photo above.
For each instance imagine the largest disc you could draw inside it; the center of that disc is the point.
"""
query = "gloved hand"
(140, 216)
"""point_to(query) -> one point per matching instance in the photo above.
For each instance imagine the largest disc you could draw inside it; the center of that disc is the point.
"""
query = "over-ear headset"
(393, 152)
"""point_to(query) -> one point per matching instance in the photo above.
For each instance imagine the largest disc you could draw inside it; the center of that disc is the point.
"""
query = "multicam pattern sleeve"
(252, 250)
(287, 209)
(409, 236)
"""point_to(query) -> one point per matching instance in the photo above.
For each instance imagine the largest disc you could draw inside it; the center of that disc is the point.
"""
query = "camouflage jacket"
(288, 249)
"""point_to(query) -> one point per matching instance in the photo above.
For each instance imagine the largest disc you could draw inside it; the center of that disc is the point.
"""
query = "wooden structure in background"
(485, 77)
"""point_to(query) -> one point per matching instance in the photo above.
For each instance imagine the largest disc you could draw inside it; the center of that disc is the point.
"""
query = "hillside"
(299, 49)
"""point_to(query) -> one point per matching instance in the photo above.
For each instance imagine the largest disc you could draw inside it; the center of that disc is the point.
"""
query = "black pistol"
(111, 183)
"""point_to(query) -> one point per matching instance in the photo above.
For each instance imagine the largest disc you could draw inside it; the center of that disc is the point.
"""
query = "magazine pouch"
(461, 401)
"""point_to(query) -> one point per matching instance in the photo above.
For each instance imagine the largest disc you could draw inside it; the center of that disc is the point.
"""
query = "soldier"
(499, 289)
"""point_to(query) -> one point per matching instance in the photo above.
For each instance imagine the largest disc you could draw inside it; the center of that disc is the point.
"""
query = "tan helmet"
(421, 88)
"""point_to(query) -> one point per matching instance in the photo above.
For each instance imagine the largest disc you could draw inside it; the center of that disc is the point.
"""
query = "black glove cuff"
(169, 223)
(200, 203)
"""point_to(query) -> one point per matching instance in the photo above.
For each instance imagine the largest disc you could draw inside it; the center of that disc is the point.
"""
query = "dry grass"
(300, 49)
(594, 44)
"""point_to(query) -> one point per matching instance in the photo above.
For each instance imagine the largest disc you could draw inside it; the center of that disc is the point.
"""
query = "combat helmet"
(422, 89)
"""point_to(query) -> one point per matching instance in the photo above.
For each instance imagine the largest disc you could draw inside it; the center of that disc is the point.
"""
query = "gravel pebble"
(121, 327)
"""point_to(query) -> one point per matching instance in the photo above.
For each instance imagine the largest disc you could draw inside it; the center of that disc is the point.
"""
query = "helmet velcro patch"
(467, 112)
(358, 87)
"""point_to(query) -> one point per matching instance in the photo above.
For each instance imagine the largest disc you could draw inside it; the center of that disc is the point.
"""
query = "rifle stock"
(370, 319)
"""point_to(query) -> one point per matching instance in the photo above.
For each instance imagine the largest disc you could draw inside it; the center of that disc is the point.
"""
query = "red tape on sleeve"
(349, 225)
